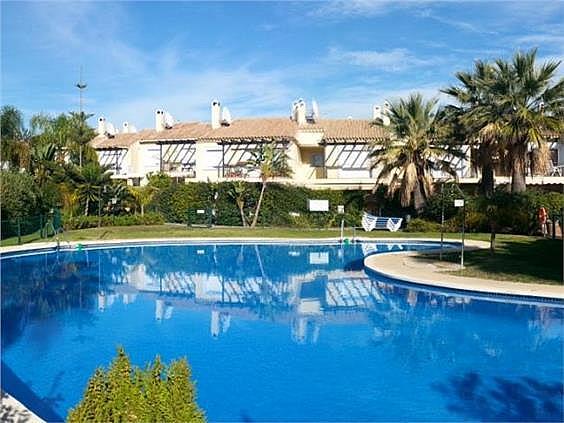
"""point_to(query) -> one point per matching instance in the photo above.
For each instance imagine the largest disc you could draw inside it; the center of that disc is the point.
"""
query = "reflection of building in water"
(305, 300)
(163, 310)
(105, 300)
(220, 322)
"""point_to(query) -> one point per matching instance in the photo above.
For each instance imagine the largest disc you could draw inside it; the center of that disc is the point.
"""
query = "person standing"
(543, 215)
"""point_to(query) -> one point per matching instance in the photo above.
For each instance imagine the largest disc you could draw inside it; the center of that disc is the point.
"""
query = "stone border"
(12, 410)
(399, 265)
(403, 266)
(392, 265)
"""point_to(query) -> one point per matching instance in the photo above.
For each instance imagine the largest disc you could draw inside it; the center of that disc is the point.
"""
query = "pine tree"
(125, 393)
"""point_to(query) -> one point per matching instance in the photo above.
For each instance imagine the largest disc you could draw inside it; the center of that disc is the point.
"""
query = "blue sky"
(255, 57)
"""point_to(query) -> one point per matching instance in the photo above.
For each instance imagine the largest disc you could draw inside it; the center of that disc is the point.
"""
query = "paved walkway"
(407, 267)
(13, 411)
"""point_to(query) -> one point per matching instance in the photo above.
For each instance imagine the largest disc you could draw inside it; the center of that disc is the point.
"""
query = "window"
(317, 160)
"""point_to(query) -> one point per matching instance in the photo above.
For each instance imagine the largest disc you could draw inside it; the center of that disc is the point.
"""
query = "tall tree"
(15, 148)
(239, 192)
(474, 124)
(531, 107)
(143, 196)
(511, 106)
(90, 181)
(271, 162)
(413, 151)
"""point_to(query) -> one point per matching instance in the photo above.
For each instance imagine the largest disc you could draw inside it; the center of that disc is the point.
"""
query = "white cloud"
(455, 23)
(344, 8)
(390, 60)
(187, 95)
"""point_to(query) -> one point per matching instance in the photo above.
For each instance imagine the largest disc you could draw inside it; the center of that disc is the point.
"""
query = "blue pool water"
(278, 333)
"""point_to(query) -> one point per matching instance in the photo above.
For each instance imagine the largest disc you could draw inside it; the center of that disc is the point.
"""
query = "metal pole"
(161, 157)
(442, 218)
(19, 231)
(99, 206)
(463, 226)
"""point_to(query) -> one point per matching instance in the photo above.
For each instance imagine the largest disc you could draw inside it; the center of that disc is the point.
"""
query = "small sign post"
(461, 203)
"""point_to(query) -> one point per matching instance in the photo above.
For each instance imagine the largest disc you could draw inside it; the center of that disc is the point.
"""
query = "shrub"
(125, 394)
(422, 225)
(178, 203)
(18, 192)
(84, 222)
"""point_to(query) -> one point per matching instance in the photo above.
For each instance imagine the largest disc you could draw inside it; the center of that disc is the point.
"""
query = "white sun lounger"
(371, 222)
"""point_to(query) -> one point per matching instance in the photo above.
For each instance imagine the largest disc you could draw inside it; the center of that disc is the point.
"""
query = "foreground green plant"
(126, 394)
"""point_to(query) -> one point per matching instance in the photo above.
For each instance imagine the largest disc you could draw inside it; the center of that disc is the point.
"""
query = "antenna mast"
(81, 87)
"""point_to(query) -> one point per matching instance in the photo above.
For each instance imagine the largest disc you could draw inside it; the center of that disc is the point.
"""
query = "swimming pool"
(278, 332)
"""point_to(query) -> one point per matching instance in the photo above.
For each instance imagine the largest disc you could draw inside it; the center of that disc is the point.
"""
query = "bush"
(422, 225)
(18, 192)
(178, 203)
(126, 394)
(84, 222)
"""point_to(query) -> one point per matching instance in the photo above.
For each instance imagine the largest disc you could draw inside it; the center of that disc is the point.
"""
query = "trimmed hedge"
(511, 213)
(178, 203)
(84, 222)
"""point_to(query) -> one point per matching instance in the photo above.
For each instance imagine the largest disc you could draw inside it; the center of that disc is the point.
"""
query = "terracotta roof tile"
(255, 128)
(180, 131)
(119, 140)
(355, 129)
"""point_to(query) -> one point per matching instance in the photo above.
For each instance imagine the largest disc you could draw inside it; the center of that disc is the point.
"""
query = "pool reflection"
(447, 344)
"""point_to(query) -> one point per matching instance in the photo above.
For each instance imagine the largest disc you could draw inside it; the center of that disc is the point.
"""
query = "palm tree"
(414, 149)
(271, 162)
(15, 148)
(90, 180)
(239, 192)
(510, 107)
(531, 106)
(143, 196)
(476, 125)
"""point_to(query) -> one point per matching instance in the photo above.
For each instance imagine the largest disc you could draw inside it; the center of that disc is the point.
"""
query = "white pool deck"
(14, 411)
(402, 265)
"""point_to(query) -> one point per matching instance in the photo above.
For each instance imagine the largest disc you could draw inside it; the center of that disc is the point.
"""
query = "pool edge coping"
(436, 278)
(23, 413)
(392, 265)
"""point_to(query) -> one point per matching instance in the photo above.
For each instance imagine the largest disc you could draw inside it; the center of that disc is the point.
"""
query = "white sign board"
(318, 205)
(319, 258)
(200, 211)
(341, 209)
(458, 203)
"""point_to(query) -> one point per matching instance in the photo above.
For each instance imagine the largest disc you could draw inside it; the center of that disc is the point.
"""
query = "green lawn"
(518, 258)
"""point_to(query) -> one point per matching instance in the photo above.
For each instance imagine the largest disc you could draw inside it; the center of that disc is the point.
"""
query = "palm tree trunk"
(242, 212)
(418, 197)
(257, 210)
(518, 158)
(142, 210)
(86, 208)
(492, 237)
(487, 181)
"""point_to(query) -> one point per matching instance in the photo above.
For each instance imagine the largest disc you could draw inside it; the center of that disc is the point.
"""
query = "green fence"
(30, 228)
(201, 217)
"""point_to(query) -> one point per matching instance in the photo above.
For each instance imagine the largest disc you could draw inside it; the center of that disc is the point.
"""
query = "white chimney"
(215, 114)
(226, 118)
(386, 114)
(159, 120)
(376, 112)
(381, 113)
(101, 125)
(301, 112)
